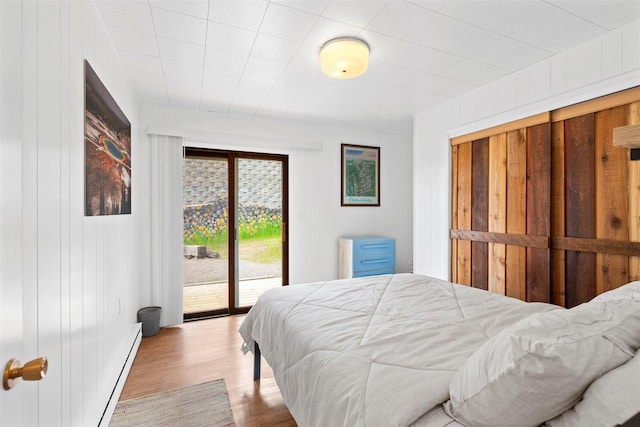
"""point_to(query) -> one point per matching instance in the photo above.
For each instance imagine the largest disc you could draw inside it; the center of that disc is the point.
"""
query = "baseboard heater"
(122, 378)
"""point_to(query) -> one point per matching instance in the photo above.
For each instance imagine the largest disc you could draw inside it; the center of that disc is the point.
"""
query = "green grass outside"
(262, 251)
(260, 240)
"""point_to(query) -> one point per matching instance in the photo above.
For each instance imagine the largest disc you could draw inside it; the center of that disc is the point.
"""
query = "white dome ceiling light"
(344, 58)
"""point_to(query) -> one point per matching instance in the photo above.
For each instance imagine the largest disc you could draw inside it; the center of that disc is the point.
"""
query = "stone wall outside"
(206, 194)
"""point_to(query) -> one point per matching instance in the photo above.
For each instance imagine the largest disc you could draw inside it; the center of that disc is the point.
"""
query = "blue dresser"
(366, 256)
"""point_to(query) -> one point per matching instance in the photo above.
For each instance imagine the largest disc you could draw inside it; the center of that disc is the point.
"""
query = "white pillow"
(539, 367)
(610, 400)
(629, 291)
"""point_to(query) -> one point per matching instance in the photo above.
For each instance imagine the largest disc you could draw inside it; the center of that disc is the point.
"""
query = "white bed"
(391, 350)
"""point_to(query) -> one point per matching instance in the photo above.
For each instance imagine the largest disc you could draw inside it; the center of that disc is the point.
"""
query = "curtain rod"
(250, 140)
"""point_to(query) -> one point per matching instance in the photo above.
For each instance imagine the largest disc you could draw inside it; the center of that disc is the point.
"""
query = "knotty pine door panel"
(611, 198)
(462, 212)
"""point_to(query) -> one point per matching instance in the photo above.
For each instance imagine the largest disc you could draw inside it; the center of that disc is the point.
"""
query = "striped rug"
(205, 404)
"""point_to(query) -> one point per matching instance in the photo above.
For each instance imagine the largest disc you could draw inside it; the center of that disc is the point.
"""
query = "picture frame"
(360, 175)
(107, 151)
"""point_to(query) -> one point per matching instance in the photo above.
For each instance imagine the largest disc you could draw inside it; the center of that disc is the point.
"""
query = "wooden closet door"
(500, 212)
(595, 232)
(548, 208)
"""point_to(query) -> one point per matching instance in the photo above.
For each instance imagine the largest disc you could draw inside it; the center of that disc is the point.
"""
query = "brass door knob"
(34, 370)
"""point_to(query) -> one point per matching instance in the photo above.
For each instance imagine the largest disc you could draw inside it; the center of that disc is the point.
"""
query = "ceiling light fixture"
(344, 58)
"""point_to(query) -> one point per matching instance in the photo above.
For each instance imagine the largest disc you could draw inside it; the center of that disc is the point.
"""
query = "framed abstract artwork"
(107, 151)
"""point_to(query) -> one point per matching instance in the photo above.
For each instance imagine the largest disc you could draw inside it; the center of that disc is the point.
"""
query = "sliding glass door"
(259, 223)
(206, 235)
(235, 236)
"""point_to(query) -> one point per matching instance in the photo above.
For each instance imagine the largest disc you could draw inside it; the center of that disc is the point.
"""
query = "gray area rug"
(205, 404)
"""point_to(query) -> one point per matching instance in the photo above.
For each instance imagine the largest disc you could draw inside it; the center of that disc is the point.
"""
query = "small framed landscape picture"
(360, 178)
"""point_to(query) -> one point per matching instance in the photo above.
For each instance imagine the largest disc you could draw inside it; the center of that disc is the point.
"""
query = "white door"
(11, 313)
(18, 336)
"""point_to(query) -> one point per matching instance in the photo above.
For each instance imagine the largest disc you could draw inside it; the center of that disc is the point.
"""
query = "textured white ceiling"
(261, 58)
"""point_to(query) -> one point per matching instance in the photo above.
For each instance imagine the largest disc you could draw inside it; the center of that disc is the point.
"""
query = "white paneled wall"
(317, 219)
(607, 64)
(79, 277)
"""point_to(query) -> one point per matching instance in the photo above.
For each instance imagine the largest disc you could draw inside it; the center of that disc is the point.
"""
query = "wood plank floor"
(206, 350)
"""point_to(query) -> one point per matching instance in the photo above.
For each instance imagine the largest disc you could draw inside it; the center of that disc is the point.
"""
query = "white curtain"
(166, 227)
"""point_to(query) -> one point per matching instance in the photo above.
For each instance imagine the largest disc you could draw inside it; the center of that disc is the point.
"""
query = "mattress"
(378, 350)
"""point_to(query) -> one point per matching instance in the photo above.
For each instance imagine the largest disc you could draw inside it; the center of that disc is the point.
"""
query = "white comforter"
(374, 351)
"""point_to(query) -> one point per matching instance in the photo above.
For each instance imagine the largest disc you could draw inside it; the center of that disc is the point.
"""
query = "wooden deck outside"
(212, 296)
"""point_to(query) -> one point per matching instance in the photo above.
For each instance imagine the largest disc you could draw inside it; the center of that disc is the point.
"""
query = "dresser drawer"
(365, 247)
(366, 256)
(374, 262)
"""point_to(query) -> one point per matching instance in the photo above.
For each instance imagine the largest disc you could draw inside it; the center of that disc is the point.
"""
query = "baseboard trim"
(122, 378)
